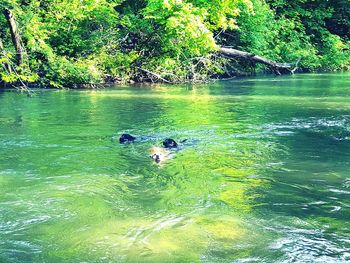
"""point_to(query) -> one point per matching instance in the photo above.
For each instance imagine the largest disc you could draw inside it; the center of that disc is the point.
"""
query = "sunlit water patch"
(261, 174)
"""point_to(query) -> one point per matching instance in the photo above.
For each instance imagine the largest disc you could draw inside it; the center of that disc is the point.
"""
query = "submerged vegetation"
(70, 42)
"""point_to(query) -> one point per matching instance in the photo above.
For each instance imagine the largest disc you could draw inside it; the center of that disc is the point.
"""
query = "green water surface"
(263, 175)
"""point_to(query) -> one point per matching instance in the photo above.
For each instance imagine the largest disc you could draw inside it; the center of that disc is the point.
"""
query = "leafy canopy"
(74, 42)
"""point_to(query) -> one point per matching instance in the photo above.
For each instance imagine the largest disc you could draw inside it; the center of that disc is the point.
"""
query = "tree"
(15, 35)
(82, 43)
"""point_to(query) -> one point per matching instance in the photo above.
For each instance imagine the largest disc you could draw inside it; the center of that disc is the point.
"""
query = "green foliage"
(325, 47)
(79, 42)
(73, 72)
(183, 27)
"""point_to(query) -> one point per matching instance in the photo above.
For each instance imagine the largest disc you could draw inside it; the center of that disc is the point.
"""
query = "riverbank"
(28, 87)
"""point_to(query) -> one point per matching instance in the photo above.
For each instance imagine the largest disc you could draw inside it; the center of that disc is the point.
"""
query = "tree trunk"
(15, 35)
(278, 68)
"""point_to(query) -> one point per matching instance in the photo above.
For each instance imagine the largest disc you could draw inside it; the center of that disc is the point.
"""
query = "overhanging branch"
(278, 68)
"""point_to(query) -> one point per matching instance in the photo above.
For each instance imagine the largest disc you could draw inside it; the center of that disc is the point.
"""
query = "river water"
(263, 175)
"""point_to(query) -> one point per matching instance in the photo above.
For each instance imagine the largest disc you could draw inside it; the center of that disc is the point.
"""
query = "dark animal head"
(126, 138)
(169, 143)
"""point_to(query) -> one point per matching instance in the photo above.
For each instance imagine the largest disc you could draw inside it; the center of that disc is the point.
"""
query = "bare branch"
(155, 75)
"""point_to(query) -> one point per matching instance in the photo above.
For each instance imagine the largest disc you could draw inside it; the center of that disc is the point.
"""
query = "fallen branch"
(155, 75)
(278, 68)
(296, 66)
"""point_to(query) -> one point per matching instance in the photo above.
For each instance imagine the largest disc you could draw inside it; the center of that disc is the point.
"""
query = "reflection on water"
(262, 177)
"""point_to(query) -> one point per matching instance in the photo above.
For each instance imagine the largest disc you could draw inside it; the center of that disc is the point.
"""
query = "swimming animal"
(159, 154)
(125, 138)
(169, 143)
